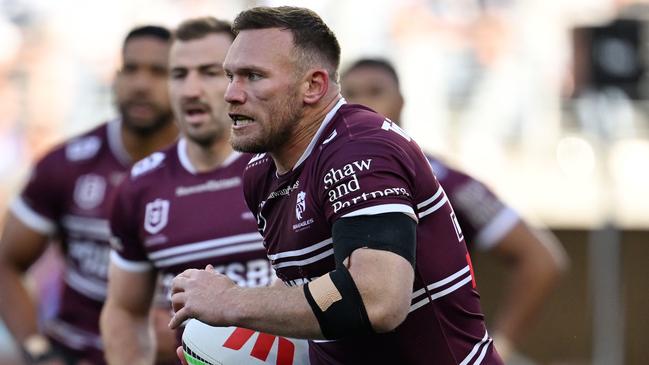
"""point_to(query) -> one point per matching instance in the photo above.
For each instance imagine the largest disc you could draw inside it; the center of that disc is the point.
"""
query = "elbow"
(388, 315)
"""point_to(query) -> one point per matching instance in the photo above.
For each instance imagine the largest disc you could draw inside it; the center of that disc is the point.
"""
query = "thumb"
(209, 268)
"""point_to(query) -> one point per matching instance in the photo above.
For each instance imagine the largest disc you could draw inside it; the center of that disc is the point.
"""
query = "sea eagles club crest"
(156, 215)
(300, 205)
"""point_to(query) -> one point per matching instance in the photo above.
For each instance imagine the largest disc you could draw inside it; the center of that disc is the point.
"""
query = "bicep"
(131, 290)
(21, 245)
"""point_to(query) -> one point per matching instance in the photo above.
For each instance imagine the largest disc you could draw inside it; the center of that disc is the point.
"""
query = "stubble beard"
(161, 119)
(287, 113)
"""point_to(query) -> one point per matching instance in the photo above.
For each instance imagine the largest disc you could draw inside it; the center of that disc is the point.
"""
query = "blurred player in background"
(182, 207)
(67, 197)
(534, 257)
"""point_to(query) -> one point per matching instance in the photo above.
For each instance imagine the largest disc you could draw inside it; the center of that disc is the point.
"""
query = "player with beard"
(182, 207)
(67, 198)
(533, 256)
(354, 221)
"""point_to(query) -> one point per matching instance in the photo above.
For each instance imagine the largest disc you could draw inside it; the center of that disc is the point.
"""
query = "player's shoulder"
(357, 130)
(450, 176)
(153, 165)
(83, 148)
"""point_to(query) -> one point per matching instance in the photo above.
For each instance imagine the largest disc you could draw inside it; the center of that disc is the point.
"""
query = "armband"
(394, 232)
(338, 306)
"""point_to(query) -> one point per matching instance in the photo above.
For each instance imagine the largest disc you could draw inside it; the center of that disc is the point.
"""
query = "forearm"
(278, 309)
(17, 307)
(529, 286)
(128, 337)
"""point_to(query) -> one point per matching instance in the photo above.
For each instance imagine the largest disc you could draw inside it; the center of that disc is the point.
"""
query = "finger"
(181, 355)
(209, 268)
(179, 317)
(186, 273)
(178, 301)
(179, 283)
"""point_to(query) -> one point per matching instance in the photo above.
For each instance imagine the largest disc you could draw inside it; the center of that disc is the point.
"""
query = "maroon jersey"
(68, 196)
(358, 163)
(484, 218)
(170, 218)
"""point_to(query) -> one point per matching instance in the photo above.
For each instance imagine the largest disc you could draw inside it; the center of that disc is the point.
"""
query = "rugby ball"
(207, 345)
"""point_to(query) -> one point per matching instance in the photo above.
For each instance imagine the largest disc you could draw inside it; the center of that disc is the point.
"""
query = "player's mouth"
(240, 120)
(195, 113)
(140, 110)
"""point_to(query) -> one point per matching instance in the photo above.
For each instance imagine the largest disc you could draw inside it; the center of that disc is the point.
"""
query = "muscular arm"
(384, 280)
(535, 260)
(20, 247)
(125, 327)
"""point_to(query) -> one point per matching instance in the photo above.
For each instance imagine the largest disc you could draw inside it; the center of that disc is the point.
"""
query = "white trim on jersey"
(234, 155)
(431, 199)
(384, 208)
(241, 248)
(484, 343)
(116, 144)
(439, 193)
(181, 149)
(73, 337)
(323, 126)
(300, 252)
(127, 265)
(30, 218)
(499, 226)
(186, 163)
(465, 271)
(90, 288)
(91, 227)
(188, 248)
(304, 262)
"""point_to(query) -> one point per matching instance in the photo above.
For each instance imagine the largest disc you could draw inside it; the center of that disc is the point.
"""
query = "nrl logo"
(156, 215)
(300, 205)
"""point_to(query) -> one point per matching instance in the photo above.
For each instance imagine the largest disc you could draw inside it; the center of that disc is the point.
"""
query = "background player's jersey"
(484, 218)
(170, 218)
(360, 164)
(68, 196)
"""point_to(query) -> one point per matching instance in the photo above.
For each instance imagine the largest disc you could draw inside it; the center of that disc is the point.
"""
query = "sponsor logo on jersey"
(82, 148)
(333, 179)
(89, 191)
(156, 215)
(283, 192)
(395, 191)
(257, 157)
(209, 186)
(147, 164)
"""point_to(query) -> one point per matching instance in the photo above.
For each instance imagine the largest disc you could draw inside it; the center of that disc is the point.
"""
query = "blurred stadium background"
(546, 100)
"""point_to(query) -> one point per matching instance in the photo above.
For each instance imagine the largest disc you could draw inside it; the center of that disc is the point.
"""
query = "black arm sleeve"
(394, 232)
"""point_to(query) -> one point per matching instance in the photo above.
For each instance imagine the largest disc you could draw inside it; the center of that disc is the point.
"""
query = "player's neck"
(208, 158)
(139, 146)
(286, 158)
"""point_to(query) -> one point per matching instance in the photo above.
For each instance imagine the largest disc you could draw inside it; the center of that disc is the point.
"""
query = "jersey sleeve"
(484, 218)
(128, 251)
(367, 178)
(41, 201)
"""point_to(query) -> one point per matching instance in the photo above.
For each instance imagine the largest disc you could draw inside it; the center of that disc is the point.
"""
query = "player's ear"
(316, 85)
